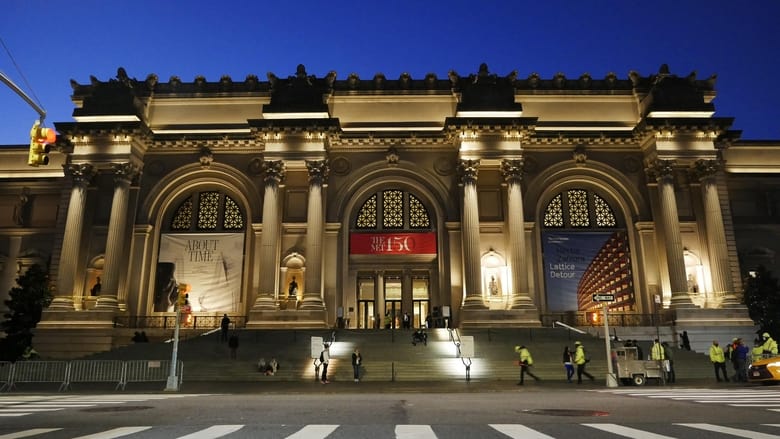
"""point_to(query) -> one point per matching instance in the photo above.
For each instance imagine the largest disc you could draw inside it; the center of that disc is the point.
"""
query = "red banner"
(392, 243)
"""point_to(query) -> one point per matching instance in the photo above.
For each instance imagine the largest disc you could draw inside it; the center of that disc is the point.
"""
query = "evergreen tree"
(25, 306)
(762, 298)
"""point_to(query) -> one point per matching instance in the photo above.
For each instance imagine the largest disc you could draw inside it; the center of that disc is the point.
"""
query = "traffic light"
(40, 138)
(184, 290)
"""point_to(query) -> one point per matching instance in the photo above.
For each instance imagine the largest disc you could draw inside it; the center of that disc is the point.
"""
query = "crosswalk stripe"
(28, 433)
(31, 409)
(517, 431)
(414, 432)
(116, 432)
(13, 414)
(772, 425)
(313, 432)
(213, 432)
(627, 431)
(732, 431)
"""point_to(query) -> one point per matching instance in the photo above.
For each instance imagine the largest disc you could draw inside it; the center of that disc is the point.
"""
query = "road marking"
(517, 431)
(23, 408)
(28, 433)
(414, 432)
(627, 431)
(213, 432)
(732, 431)
(117, 432)
(313, 432)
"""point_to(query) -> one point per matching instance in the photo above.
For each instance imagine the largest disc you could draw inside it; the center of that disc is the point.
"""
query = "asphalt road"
(341, 411)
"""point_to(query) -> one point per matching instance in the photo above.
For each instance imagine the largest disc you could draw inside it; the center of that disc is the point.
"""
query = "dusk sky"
(54, 41)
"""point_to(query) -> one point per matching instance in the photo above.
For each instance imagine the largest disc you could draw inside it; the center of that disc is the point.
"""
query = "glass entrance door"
(393, 291)
(367, 317)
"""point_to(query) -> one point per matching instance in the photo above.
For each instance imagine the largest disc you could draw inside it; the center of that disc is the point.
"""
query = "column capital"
(81, 173)
(468, 169)
(512, 169)
(660, 169)
(275, 171)
(125, 173)
(318, 171)
(705, 169)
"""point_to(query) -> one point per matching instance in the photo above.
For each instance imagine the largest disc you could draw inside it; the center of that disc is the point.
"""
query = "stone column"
(706, 171)
(124, 173)
(663, 172)
(81, 175)
(512, 171)
(312, 292)
(472, 266)
(269, 248)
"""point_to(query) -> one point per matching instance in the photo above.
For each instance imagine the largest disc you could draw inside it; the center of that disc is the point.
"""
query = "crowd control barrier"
(66, 373)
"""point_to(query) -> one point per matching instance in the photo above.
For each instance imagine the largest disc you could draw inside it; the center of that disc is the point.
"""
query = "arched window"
(579, 208)
(399, 211)
(207, 211)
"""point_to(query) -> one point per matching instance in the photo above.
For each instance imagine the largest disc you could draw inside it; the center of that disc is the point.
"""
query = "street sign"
(603, 297)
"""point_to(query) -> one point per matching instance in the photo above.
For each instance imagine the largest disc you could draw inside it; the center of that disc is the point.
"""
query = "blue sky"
(55, 41)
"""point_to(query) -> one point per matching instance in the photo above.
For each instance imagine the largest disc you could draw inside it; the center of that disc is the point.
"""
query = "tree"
(762, 298)
(25, 306)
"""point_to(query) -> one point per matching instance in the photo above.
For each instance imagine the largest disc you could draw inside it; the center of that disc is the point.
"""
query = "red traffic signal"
(40, 138)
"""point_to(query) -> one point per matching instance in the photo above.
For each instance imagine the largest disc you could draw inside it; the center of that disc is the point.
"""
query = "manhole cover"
(565, 412)
(119, 408)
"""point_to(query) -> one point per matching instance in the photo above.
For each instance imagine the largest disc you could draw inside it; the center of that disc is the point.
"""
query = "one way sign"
(603, 297)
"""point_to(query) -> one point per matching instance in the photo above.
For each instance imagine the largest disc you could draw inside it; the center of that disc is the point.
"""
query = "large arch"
(611, 185)
(410, 179)
(167, 194)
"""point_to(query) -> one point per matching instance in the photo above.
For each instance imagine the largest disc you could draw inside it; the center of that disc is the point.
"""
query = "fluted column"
(269, 248)
(10, 270)
(81, 175)
(663, 172)
(512, 171)
(720, 271)
(472, 266)
(124, 173)
(312, 288)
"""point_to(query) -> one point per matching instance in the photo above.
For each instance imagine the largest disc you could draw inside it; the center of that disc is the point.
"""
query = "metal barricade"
(6, 370)
(97, 371)
(38, 372)
(150, 370)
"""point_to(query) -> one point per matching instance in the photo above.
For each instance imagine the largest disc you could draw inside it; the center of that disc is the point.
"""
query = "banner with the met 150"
(392, 243)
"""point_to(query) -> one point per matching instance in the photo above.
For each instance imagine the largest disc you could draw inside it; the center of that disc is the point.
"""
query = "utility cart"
(631, 369)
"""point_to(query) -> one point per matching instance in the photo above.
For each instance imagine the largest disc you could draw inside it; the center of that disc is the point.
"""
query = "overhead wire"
(19, 71)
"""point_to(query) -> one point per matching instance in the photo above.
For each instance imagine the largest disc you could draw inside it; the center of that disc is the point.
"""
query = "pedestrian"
(742, 354)
(325, 359)
(657, 351)
(225, 326)
(357, 360)
(669, 363)
(526, 362)
(758, 350)
(568, 364)
(581, 360)
(407, 321)
(686, 342)
(731, 354)
(718, 359)
(233, 345)
(770, 345)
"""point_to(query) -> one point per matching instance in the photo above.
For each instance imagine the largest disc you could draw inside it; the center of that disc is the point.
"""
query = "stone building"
(477, 200)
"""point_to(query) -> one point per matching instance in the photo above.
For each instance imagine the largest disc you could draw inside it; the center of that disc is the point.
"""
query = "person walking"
(325, 358)
(686, 342)
(225, 326)
(741, 354)
(568, 363)
(718, 359)
(233, 345)
(357, 360)
(526, 362)
(669, 359)
(581, 360)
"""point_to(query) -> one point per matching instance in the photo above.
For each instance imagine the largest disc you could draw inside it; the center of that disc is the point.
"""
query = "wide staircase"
(388, 355)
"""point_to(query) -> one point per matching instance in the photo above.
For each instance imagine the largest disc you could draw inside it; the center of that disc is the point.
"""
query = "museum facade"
(476, 200)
